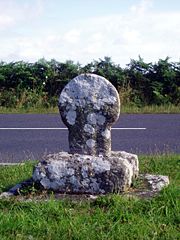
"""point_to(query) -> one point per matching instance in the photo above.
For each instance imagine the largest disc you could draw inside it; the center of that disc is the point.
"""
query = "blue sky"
(86, 30)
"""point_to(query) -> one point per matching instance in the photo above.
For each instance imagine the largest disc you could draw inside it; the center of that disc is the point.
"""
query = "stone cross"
(89, 105)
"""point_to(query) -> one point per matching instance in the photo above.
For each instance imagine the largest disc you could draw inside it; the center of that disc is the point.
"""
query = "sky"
(87, 30)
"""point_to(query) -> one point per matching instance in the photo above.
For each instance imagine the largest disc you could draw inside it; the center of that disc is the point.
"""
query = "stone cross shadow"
(89, 105)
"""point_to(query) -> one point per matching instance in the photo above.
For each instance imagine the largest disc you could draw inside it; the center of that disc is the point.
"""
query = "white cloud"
(72, 36)
(5, 21)
(142, 7)
(11, 12)
(151, 34)
(141, 30)
(131, 36)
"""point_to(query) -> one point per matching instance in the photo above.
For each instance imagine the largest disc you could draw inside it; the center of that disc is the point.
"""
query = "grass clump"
(107, 217)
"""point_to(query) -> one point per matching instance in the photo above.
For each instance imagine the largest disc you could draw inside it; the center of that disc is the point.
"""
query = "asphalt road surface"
(161, 134)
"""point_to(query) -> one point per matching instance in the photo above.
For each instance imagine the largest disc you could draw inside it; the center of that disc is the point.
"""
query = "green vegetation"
(169, 108)
(107, 217)
(143, 87)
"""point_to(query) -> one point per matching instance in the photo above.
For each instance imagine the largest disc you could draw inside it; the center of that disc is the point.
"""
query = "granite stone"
(89, 105)
(86, 174)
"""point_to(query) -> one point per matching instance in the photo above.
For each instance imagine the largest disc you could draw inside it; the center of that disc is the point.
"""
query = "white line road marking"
(128, 128)
(65, 128)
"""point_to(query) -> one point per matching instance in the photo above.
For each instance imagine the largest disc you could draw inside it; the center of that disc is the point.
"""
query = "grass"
(11, 175)
(169, 108)
(107, 217)
(4, 110)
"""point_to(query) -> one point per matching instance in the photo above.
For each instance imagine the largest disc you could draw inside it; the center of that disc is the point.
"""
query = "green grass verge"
(169, 108)
(109, 217)
(39, 110)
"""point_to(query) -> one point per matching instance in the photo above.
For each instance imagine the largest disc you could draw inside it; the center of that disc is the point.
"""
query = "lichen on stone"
(89, 129)
(90, 143)
(89, 104)
(77, 173)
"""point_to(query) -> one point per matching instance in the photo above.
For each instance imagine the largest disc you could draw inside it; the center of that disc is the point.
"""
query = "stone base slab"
(85, 174)
(153, 184)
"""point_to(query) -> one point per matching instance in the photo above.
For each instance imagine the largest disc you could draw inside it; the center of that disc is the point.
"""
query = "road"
(162, 134)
